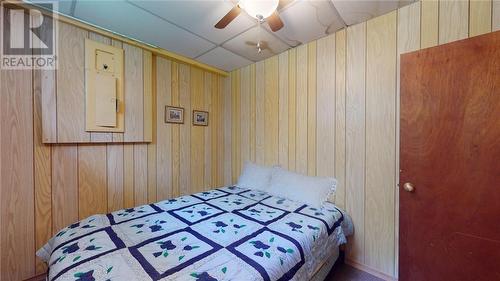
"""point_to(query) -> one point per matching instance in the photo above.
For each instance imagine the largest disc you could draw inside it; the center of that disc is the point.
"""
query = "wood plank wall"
(63, 92)
(46, 187)
(331, 107)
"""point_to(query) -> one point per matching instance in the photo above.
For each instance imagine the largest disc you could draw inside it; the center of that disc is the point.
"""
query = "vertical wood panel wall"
(47, 187)
(331, 108)
(307, 91)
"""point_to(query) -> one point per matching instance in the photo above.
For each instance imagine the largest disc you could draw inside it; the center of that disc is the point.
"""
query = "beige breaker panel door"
(104, 100)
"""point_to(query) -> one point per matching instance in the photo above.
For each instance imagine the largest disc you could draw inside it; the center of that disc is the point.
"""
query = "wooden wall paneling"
(115, 176)
(364, 98)
(340, 114)
(16, 177)
(252, 112)
(140, 174)
(44, 86)
(175, 129)
(147, 59)
(185, 130)
(92, 182)
(44, 94)
(429, 23)
(152, 196)
(164, 152)
(453, 20)
(245, 114)
(311, 108)
(292, 107)
(408, 37)
(118, 137)
(42, 166)
(283, 110)
(495, 15)
(128, 176)
(70, 85)
(302, 106)
(227, 101)
(220, 130)
(271, 111)
(380, 181)
(134, 94)
(64, 186)
(325, 107)
(197, 132)
(260, 89)
(408, 30)
(208, 149)
(1, 182)
(480, 17)
(236, 133)
(355, 137)
(100, 136)
(48, 101)
(72, 181)
(211, 151)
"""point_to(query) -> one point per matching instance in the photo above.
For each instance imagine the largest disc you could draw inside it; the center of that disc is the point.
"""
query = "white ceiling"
(186, 27)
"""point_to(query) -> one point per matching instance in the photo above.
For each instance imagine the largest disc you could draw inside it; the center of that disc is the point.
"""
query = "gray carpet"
(345, 272)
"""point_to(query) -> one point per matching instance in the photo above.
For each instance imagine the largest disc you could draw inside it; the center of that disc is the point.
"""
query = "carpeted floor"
(345, 272)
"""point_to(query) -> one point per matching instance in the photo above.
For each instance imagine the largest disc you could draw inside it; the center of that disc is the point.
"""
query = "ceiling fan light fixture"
(259, 9)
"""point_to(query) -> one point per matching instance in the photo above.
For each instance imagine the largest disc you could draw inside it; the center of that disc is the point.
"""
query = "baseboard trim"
(40, 277)
(370, 270)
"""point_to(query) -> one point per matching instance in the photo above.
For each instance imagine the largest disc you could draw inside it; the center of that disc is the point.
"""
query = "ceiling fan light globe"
(259, 8)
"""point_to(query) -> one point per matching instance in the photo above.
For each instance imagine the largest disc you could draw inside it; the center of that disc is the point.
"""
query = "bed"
(229, 233)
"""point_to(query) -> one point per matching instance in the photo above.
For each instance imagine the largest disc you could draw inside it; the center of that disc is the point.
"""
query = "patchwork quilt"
(228, 233)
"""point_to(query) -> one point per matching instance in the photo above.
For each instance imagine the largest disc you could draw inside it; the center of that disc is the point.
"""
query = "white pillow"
(313, 191)
(255, 176)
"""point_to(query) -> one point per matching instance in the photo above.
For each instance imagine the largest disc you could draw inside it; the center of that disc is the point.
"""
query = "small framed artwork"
(174, 114)
(200, 118)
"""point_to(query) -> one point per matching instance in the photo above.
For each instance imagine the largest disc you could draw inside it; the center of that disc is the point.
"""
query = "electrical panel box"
(104, 97)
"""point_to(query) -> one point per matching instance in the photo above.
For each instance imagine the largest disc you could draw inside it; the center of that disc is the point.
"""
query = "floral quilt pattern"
(261, 213)
(230, 233)
(231, 202)
(196, 213)
(178, 202)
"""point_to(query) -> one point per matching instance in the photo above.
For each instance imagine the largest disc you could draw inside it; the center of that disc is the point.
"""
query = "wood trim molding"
(373, 272)
(40, 277)
(155, 50)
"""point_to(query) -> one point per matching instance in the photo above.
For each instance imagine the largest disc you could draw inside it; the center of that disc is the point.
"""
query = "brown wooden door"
(449, 225)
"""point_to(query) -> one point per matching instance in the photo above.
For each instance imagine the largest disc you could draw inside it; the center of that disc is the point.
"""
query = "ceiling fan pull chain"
(259, 20)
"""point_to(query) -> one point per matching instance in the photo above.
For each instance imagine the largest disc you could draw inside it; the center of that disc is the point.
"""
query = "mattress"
(228, 233)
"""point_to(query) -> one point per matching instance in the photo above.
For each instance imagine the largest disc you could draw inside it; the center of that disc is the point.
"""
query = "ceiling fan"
(260, 46)
(262, 10)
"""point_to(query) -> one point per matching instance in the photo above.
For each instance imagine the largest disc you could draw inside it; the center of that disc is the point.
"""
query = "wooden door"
(449, 225)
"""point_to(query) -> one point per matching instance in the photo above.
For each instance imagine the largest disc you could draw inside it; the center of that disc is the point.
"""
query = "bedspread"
(228, 233)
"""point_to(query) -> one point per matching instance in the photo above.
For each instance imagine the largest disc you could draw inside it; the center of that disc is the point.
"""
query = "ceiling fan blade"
(229, 17)
(275, 22)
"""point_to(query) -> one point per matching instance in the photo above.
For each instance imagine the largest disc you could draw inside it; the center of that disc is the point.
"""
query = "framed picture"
(174, 114)
(200, 118)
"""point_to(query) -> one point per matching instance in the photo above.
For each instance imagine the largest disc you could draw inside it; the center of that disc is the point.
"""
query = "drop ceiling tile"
(245, 44)
(200, 17)
(354, 12)
(223, 59)
(308, 20)
(131, 21)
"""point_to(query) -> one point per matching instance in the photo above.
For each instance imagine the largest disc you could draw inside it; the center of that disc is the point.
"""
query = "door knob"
(409, 187)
